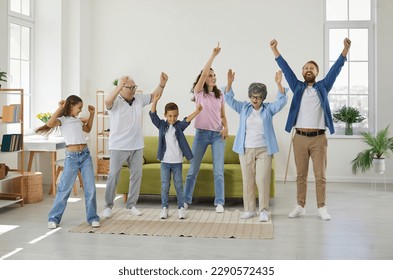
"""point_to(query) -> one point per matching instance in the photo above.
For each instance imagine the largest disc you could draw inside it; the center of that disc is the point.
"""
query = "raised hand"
(278, 77)
(122, 81)
(91, 109)
(163, 79)
(347, 45)
(155, 98)
(231, 76)
(273, 46)
(217, 49)
(62, 103)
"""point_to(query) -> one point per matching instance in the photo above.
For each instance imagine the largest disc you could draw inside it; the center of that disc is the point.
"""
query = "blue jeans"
(166, 170)
(74, 161)
(202, 139)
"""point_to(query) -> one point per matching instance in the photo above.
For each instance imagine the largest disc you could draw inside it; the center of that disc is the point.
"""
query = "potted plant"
(380, 146)
(349, 115)
(3, 77)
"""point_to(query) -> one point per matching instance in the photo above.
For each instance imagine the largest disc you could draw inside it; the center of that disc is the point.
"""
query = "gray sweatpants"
(134, 160)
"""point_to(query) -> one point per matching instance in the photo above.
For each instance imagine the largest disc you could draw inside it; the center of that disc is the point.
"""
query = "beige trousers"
(256, 167)
(303, 148)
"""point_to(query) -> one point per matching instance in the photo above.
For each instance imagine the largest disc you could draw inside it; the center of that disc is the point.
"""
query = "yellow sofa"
(204, 187)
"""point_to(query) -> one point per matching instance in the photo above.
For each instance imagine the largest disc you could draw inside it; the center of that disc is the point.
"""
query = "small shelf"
(102, 135)
(10, 191)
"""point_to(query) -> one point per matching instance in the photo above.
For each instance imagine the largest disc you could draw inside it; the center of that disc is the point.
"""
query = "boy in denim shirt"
(172, 146)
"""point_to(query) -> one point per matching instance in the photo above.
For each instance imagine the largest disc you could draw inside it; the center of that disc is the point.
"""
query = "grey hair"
(257, 88)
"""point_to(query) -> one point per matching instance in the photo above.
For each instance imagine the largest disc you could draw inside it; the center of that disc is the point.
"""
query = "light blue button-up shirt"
(244, 109)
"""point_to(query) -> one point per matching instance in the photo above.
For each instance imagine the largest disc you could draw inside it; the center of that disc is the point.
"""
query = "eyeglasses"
(256, 97)
(132, 88)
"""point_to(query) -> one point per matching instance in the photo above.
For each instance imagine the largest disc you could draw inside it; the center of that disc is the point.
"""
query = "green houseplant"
(349, 115)
(3, 77)
(380, 146)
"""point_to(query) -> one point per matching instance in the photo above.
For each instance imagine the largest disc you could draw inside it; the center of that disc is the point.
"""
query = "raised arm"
(278, 80)
(347, 45)
(206, 69)
(230, 79)
(155, 99)
(273, 46)
(195, 113)
(160, 88)
(53, 121)
(115, 92)
(89, 124)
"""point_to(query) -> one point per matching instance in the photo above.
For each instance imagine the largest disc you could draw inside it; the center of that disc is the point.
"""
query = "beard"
(309, 78)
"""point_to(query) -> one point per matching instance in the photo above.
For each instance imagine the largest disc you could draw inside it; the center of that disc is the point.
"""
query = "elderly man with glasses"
(125, 108)
(256, 142)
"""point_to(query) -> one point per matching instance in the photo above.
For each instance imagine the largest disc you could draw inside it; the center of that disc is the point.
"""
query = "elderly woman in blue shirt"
(256, 142)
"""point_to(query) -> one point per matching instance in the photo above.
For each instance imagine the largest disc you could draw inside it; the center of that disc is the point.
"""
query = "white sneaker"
(95, 224)
(164, 213)
(182, 213)
(219, 208)
(247, 215)
(322, 212)
(297, 211)
(185, 205)
(134, 211)
(264, 217)
(107, 214)
(52, 225)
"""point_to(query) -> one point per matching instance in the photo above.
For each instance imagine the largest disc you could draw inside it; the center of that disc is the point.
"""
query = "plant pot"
(379, 165)
(348, 129)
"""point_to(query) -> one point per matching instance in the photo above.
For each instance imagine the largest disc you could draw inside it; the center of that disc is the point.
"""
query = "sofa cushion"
(150, 149)
(230, 155)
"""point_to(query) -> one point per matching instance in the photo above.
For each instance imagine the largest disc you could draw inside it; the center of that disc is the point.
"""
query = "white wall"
(143, 38)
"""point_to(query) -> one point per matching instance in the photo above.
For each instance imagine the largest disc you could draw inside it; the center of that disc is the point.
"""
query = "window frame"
(372, 91)
(25, 21)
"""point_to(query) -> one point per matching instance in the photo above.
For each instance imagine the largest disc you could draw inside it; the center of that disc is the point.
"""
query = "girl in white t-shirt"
(77, 157)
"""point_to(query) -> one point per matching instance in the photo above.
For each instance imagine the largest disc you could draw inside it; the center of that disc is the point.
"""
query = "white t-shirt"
(71, 130)
(310, 113)
(125, 123)
(173, 153)
(255, 134)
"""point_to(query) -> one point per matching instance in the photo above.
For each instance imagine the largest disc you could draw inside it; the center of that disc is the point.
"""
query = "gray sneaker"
(182, 213)
(264, 217)
(107, 214)
(322, 212)
(134, 211)
(297, 212)
(164, 213)
(52, 225)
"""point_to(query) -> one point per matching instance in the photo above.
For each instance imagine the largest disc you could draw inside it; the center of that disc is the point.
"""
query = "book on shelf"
(11, 142)
(11, 113)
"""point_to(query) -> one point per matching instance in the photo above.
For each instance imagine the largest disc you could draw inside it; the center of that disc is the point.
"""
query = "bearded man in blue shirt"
(310, 114)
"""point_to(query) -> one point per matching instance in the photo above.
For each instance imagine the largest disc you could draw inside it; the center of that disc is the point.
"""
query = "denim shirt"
(163, 126)
(322, 87)
(245, 109)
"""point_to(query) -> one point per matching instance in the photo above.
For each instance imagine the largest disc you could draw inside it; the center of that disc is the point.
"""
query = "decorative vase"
(348, 129)
(379, 165)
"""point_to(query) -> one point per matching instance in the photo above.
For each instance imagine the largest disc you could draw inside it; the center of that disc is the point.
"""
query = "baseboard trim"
(372, 179)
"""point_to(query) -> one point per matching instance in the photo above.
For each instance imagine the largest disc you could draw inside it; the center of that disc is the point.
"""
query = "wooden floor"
(361, 229)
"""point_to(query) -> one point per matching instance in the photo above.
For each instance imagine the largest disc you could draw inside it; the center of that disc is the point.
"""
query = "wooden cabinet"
(102, 134)
(12, 152)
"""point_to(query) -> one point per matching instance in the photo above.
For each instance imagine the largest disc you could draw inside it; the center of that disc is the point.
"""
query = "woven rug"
(199, 223)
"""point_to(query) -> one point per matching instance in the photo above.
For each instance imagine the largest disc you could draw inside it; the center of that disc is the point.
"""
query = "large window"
(355, 85)
(21, 24)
